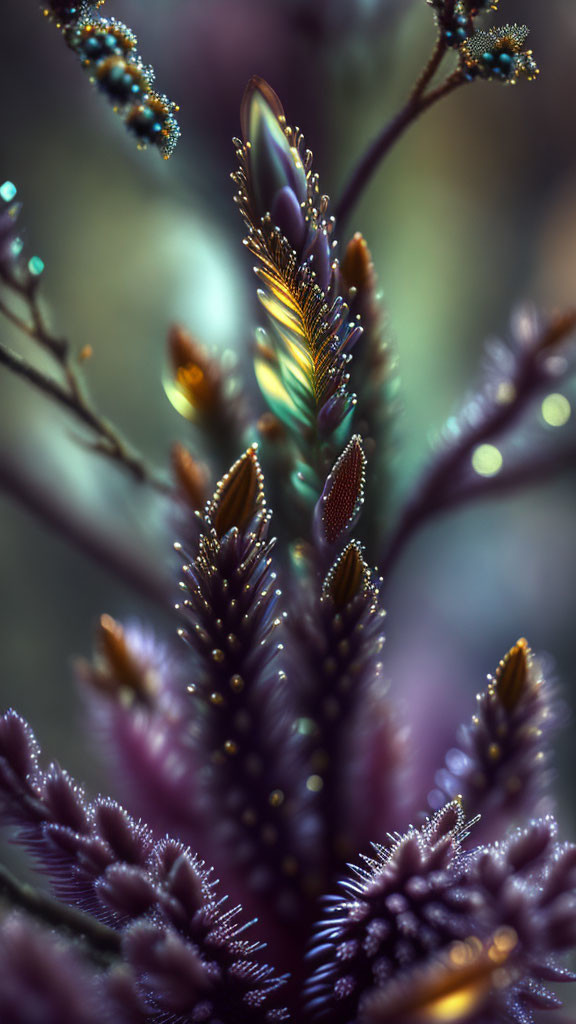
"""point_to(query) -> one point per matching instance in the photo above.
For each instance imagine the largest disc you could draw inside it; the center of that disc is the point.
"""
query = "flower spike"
(501, 763)
(301, 362)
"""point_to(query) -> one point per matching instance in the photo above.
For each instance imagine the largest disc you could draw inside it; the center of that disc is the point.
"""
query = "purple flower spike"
(502, 763)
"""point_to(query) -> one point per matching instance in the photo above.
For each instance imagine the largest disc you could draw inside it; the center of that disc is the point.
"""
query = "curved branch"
(102, 549)
(73, 394)
(418, 102)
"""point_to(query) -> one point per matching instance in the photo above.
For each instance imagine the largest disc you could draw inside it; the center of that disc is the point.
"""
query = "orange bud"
(120, 669)
(357, 267)
(511, 675)
(191, 476)
(197, 377)
(348, 576)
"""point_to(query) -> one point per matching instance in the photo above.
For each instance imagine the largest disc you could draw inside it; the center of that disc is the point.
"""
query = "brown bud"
(348, 576)
(197, 377)
(119, 668)
(191, 476)
(271, 428)
(344, 492)
(357, 267)
(239, 494)
(454, 987)
(512, 675)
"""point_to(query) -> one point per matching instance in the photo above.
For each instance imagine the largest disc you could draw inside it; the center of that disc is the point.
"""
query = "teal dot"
(35, 266)
(8, 191)
(16, 247)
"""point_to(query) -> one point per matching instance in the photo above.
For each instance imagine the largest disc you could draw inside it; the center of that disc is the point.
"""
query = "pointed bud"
(348, 577)
(274, 164)
(357, 267)
(511, 676)
(118, 669)
(195, 387)
(191, 476)
(343, 494)
(271, 428)
(239, 495)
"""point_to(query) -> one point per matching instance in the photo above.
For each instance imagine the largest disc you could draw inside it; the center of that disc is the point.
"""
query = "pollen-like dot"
(487, 460)
(36, 266)
(556, 410)
(314, 783)
(8, 191)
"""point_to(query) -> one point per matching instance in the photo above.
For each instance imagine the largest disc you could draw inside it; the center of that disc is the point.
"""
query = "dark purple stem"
(442, 486)
(416, 105)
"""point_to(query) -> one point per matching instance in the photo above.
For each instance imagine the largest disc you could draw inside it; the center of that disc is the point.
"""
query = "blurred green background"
(474, 212)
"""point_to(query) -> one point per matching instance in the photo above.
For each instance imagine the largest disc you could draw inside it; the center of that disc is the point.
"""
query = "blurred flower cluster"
(276, 857)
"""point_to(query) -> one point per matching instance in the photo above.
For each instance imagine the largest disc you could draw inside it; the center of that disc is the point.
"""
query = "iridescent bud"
(274, 163)
(343, 494)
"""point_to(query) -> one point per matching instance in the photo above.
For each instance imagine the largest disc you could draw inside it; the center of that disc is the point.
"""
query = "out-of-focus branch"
(58, 514)
(418, 102)
(449, 480)
(72, 394)
(74, 399)
(101, 944)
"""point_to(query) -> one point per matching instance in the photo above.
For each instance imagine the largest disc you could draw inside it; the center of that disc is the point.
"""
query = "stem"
(73, 396)
(447, 481)
(101, 549)
(415, 106)
(431, 68)
(102, 944)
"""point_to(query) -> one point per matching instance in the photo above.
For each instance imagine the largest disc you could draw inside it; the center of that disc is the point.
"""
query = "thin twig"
(415, 106)
(102, 944)
(100, 548)
(74, 396)
(446, 481)
(438, 54)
